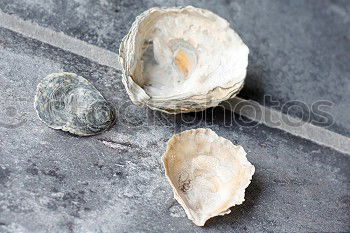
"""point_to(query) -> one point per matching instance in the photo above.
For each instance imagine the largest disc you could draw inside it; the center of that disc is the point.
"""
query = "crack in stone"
(122, 146)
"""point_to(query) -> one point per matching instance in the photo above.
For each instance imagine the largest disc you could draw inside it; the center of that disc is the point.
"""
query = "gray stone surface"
(51, 181)
(300, 50)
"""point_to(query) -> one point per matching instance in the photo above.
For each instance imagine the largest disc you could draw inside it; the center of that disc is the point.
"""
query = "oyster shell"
(182, 60)
(69, 102)
(208, 173)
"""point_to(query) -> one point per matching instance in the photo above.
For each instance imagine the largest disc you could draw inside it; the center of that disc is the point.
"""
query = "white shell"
(208, 173)
(182, 60)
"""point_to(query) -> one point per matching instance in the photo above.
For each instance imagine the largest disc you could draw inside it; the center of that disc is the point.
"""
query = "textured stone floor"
(51, 181)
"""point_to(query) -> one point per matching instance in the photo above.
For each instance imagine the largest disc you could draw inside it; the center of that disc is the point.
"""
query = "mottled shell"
(208, 173)
(69, 102)
(182, 60)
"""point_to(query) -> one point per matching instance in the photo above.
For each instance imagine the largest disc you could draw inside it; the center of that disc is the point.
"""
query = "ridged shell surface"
(69, 102)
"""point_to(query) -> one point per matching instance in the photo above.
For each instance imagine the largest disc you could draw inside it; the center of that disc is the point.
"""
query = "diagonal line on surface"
(59, 40)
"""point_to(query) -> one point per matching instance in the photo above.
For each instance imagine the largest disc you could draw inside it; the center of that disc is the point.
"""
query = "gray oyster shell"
(69, 102)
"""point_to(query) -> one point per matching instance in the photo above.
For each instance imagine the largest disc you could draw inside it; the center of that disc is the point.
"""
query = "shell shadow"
(253, 87)
(252, 195)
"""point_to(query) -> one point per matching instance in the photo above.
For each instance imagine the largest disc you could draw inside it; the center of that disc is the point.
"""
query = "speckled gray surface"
(51, 181)
(300, 50)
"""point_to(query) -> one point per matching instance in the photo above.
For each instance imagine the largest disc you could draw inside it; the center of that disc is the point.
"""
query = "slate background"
(51, 181)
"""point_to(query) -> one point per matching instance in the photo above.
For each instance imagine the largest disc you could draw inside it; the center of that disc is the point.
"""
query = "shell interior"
(207, 172)
(186, 53)
(182, 60)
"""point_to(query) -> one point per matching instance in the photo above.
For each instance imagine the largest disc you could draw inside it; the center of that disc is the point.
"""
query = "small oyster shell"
(69, 102)
(182, 60)
(208, 173)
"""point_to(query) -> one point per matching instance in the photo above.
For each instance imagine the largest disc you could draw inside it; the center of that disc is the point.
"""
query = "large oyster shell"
(182, 60)
(208, 173)
(69, 102)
